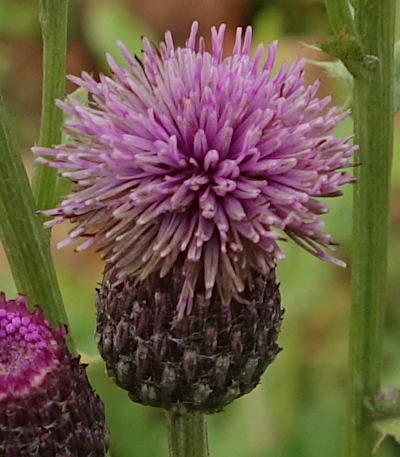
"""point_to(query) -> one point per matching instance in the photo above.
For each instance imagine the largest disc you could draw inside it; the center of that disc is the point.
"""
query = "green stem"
(187, 435)
(53, 17)
(24, 239)
(340, 17)
(373, 108)
(63, 185)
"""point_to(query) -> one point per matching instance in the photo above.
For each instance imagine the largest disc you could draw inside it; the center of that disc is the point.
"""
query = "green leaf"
(341, 16)
(349, 50)
(336, 69)
(388, 427)
(108, 22)
(25, 241)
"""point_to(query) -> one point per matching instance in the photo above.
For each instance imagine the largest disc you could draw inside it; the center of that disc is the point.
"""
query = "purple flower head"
(189, 157)
(47, 406)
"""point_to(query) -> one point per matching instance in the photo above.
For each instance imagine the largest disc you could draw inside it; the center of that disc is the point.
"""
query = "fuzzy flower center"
(27, 349)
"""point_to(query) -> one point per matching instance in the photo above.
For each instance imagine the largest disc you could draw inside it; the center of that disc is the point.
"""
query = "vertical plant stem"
(53, 15)
(24, 239)
(373, 118)
(187, 435)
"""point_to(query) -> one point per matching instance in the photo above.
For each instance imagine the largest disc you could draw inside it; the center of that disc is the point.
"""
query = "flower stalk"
(187, 435)
(53, 15)
(373, 120)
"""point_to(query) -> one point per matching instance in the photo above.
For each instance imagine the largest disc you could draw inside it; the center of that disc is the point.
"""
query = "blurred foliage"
(18, 19)
(108, 22)
(298, 410)
(298, 17)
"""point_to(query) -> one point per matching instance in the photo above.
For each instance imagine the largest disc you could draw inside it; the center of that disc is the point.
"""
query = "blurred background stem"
(373, 121)
(187, 435)
(53, 15)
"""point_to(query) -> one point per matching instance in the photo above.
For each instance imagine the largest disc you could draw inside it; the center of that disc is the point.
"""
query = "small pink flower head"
(189, 157)
(29, 348)
(47, 406)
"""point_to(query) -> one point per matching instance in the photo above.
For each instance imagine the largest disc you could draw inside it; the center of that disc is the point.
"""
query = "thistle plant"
(189, 167)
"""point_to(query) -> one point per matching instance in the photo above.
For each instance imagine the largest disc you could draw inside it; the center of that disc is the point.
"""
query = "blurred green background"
(298, 410)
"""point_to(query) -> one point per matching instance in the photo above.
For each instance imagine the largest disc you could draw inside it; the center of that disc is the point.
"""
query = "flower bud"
(47, 407)
(199, 362)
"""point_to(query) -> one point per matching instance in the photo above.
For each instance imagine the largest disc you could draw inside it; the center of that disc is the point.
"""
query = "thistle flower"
(201, 362)
(190, 157)
(47, 407)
